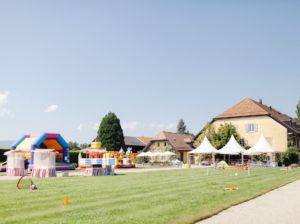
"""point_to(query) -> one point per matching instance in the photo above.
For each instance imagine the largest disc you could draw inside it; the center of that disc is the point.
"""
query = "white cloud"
(51, 108)
(79, 127)
(131, 125)
(3, 104)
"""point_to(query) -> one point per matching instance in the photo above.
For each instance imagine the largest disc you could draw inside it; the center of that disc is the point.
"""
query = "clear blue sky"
(65, 64)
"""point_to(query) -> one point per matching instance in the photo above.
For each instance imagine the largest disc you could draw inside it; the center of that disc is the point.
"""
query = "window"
(158, 144)
(165, 144)
(250, 128)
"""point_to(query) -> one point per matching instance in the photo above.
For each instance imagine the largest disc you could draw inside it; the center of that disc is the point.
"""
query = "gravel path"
(278, 206)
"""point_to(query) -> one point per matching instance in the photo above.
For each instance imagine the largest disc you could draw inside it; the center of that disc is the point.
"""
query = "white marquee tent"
(232, 148)
(205, 148)
(262, 146)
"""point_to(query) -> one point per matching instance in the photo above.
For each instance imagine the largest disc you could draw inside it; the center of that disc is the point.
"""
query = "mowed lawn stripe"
(181, 196)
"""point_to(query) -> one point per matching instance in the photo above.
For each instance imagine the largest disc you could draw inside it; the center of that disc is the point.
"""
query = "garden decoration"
(25, 182)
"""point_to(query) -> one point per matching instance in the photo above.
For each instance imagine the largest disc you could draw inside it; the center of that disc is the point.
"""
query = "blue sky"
(65, 64)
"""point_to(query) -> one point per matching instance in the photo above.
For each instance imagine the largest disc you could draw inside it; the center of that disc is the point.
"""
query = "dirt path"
(279, 206)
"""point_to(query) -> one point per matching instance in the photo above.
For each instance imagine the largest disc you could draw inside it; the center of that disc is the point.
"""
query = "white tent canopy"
(148, 154)
(168, 153)
(204, 148)
(232, 148)
(262, 146)
(143, 154)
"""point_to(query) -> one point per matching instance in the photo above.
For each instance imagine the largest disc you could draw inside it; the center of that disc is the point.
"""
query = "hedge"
(74, 157)
(2, 156)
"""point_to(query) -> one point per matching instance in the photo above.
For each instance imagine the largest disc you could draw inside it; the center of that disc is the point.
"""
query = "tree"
(298, 110)
(181, 127)
(110, 133)
(220, 138)
(206, 131)
(74, 146)
(84, 145)
(291, 156)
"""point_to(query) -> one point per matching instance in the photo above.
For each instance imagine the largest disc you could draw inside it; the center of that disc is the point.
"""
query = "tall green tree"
(110, 133)
(298, 110)
(181, 127)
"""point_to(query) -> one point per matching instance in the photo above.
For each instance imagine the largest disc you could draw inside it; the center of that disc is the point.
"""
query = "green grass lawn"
(181, 196)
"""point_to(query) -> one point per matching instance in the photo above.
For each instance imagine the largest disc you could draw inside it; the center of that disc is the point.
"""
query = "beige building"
(252, 119)
(181, 144)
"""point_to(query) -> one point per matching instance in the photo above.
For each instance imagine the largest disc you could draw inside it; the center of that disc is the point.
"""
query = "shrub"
(2, 156)
(74, 156)
(291, 156)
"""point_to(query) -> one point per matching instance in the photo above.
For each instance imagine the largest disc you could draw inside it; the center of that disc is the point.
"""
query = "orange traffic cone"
(66, 200)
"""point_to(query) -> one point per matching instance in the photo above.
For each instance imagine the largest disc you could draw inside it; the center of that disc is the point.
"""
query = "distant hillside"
(6, 144)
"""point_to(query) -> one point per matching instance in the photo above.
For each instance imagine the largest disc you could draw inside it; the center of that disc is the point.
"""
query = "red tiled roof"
(144, 139)
(249, 107)
(178, 141)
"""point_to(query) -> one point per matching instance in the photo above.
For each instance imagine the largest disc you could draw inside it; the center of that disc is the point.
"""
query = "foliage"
(74, 156)
(206, 131)
(110, 133)
(291, 156)
(84, 145)
(74, 146)
(2, 156)
(220, 137)
(181, 127)
(298, 111)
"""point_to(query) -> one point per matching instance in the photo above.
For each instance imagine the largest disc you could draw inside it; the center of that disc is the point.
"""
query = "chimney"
(270, 107)
(260, 101)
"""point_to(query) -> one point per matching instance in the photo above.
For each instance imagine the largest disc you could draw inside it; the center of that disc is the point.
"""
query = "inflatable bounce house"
(30, 143)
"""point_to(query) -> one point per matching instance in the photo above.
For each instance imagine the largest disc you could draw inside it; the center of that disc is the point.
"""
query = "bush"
(74, 156)
(2, 156)
(291, 156)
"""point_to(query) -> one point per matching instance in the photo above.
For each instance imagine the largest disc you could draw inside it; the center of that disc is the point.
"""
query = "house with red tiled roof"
(181, 144)
(253, 119)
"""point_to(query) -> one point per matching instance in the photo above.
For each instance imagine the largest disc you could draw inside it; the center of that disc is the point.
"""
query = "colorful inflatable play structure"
(96, 155)
(55, 142)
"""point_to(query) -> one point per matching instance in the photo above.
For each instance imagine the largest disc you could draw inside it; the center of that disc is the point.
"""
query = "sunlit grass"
(181, 196)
